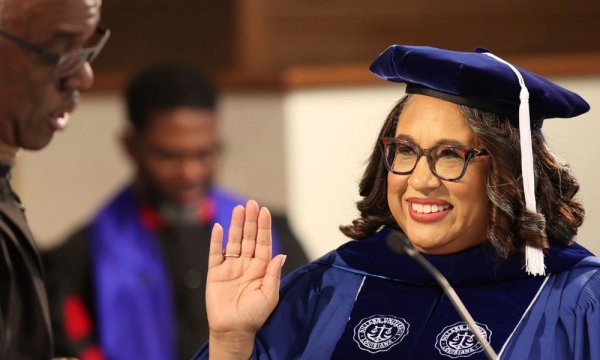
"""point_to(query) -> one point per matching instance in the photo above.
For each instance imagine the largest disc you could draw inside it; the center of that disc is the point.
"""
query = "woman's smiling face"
(439, 217)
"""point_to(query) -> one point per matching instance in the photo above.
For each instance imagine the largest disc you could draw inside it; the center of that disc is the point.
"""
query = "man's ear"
(129, 143)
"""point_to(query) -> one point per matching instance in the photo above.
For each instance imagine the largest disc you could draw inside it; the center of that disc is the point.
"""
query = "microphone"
(398, 242)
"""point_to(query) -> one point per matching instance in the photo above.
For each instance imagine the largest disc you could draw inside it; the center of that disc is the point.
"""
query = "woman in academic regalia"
(461, 170)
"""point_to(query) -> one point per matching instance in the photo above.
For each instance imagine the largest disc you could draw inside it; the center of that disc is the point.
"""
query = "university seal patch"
(458, 340)
(380, 332)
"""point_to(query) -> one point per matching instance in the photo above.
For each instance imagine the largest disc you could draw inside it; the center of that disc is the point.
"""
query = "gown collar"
(474, 266)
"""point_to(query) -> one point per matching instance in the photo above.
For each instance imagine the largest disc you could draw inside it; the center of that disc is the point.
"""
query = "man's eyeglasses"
(68, 63)
(447, 162)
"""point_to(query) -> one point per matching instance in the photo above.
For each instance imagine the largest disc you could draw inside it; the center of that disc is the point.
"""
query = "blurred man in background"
(132, 281)
(45, 52)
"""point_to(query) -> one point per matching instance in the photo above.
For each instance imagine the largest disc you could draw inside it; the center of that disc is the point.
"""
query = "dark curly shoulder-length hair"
(510, 226)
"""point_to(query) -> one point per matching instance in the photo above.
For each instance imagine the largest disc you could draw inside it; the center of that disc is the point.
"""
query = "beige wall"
(302, 150)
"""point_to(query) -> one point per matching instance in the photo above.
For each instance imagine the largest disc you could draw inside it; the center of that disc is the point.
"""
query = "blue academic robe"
(364, 301)
(134, 302)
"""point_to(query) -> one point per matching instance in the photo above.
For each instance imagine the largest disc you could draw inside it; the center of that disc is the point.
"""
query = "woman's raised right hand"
(242, 287)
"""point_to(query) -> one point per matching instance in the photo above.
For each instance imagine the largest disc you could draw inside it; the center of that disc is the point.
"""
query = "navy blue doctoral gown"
(363, 301)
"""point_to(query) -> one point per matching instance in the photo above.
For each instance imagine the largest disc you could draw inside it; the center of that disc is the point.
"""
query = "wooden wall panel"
(316, 32)
(260, 39)
(198, 32)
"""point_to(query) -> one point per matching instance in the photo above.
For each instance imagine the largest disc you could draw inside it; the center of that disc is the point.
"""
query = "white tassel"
(534, 261)
(534, 258)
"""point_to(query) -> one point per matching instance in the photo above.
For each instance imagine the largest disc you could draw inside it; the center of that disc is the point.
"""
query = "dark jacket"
(25, 332)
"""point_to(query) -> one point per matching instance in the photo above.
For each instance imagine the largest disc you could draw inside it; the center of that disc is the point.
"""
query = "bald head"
(13, 12)
(34, 101)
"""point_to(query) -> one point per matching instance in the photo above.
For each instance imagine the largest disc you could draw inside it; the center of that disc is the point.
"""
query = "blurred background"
(299, 110)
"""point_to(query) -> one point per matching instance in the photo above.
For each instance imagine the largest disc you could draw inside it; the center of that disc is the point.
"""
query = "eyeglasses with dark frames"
(68, 63)
(447, 162)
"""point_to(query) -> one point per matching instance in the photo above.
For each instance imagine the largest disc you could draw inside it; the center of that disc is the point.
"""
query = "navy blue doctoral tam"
(475, 79)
